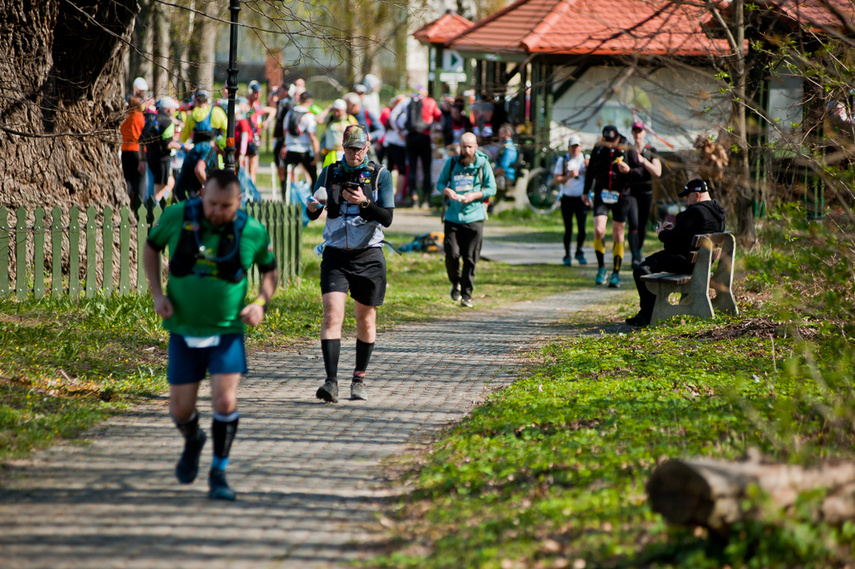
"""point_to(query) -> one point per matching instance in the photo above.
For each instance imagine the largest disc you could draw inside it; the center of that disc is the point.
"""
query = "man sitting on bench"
(703, 215)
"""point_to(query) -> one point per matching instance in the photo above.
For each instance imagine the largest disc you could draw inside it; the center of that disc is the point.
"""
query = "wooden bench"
(706, 289)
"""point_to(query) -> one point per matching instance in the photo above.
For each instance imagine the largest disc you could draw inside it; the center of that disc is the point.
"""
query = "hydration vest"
(184, 260)
(365, 177)
(203, 131)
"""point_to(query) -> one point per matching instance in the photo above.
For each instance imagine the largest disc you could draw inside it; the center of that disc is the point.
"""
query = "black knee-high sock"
(363, 354)
(331, 349)
(190, 429)
(223, 427)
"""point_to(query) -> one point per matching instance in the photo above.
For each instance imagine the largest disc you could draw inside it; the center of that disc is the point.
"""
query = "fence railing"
(57, 253)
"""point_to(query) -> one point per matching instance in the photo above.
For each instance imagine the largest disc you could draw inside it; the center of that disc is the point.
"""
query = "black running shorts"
(361, 272)
(619, 210)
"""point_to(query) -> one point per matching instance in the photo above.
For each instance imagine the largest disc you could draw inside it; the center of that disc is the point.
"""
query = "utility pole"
(231, 85)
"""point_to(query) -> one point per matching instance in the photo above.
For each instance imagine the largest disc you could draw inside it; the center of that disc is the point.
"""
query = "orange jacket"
(131, 131)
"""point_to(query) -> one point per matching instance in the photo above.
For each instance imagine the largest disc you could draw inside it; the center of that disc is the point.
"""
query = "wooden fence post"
(74, 253)
(142, 235)
(107, 282)
(125, 251)
(91, 253)
(4, 251)
(39, 253)
(56, 231)
(21, 254)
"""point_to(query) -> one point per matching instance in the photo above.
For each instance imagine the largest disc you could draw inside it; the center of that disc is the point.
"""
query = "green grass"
(550, 472)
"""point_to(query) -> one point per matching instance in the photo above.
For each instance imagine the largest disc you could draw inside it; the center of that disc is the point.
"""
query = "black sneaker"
(328, 391)
(455, 292)
(218, 487)
(357, 389)
(638, 321)
(188, 465)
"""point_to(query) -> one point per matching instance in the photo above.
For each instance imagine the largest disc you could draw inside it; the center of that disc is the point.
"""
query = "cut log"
(709, 493)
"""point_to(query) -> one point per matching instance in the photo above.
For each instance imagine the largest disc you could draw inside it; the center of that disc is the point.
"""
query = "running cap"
(610, 132)
(575, 140)
(254, 86)
(201, 93)
(339, 104)
(140, 84)
(638, 126)
(166, 103)
(360, 88)
(694, 186)
(355, 138)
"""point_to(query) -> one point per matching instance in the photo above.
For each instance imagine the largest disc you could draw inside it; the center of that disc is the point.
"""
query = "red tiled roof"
(814, 12)
(442, 29)
(598, 27)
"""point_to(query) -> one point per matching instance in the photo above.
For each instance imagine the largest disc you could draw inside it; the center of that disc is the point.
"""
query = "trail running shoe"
(466, 303)
(614, 281)
(601, 276)
(188, 465)
(357, 389)
(218, 487)
(455, 292)
(568, 260)
(328, 392)
(580, 258)
(637, 261)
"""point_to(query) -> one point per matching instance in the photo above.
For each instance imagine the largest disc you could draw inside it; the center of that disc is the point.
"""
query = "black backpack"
(415, 122)
(294, 122)
(284, 107)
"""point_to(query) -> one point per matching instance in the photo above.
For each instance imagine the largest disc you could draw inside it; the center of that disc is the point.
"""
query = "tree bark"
(202, 59)
(710, 493)
(61, 101)
(160, 27)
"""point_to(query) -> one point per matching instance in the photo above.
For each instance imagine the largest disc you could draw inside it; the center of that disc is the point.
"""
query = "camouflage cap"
(355, 137)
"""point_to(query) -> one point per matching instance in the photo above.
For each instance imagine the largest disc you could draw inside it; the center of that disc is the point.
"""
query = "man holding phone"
(359, 201)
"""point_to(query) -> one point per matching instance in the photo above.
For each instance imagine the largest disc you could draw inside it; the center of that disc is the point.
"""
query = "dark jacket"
(704, 217)
(602, 172)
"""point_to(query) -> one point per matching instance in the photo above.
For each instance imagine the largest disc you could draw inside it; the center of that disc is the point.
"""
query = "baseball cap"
(610, 132)
(201, 93)
(254, 85)
(355, 138)
(140, 84)
(166, 103)
(339, 104)
(360, 88)
(697, 185)
(638, 126)
(574, 140)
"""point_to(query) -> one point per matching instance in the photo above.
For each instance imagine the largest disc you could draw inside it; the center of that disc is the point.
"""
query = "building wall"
(677, 105)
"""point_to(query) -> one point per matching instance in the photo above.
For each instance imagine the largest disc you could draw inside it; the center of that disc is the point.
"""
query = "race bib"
(463, 183)
(609, 197)
(202, 341)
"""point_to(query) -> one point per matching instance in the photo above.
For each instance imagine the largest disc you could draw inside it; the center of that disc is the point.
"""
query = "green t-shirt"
(207, 306)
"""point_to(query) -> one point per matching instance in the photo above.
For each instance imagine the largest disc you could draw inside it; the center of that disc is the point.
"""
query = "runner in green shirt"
(212, 244)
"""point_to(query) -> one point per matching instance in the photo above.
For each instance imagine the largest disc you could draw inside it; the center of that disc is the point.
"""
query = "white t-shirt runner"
(574, 187)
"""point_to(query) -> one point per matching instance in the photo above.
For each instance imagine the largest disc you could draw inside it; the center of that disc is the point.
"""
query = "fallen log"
(710, 493)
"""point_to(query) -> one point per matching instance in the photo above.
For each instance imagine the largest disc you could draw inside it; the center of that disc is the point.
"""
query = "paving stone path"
(308, 475)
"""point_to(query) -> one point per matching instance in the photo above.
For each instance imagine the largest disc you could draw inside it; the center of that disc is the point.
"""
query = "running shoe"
(466, 303)
(455, 292)
(601, 276)
(328, 391)
(568, 260)
(188, 465)
(580, 258)
(218, 487)
(614, 281)
(357, 389)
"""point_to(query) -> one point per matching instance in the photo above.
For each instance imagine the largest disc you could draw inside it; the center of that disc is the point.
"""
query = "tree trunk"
(202, 58)
(745, 201)
(143, 46)
(160, 26)
(710, 493)
(62, 101)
